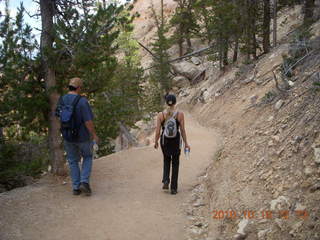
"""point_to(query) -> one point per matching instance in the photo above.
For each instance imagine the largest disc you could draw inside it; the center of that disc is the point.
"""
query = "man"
(81, 145)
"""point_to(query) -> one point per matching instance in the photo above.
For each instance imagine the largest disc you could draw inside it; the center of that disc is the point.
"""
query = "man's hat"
(171, 99)
(75, 82)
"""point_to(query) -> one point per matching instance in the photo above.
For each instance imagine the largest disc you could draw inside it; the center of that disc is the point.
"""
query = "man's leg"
(166, 169)
(175, 172)
(73, 157)
(87, 155)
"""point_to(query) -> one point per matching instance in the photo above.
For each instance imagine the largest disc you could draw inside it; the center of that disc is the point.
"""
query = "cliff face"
(145, 27)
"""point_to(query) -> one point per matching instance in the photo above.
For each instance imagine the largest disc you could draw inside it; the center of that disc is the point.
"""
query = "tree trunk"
(56, 152)
(275, 25)
(225, 52)
(308, 11)
(180, 42)
(188, 40)
(266, 26)
(235, 50)
(1, 134)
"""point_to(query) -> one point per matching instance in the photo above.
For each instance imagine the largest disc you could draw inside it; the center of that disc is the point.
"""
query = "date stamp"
(265, 214)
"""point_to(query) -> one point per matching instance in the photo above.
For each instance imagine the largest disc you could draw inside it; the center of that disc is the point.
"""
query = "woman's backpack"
(170, 128)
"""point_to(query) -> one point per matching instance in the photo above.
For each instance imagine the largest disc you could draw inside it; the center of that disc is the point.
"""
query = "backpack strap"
(175, 114)
(76, 100)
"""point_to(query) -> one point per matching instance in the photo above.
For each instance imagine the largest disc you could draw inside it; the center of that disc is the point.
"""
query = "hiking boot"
(85, 188)
(173, 191)
(76, 192)
(165, 186)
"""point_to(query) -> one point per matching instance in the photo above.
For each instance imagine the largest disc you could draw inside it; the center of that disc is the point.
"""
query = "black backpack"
(66, 113)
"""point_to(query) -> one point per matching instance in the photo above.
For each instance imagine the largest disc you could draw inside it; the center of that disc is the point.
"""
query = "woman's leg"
(175, 171)
(166, 169)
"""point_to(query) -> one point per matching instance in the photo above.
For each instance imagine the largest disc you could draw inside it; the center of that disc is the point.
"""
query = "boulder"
(180, 82)
(281, 203)
(317, 154)
(279, 104)
(242, 226)
(195, 60)
(186, 69)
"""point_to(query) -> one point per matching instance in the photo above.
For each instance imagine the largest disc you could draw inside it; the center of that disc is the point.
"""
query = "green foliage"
(299, 47)
(23, 103)
(268, 97)
(13, 167)
(84, 47)
(88, 41)
(219, 23)
(160, 73)
(185, 23)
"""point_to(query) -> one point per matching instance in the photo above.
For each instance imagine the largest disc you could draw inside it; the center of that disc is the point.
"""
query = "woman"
(170, 145)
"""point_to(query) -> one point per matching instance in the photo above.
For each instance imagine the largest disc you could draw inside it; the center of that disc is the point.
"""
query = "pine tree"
(161, 72)
(219, 21)
(23, 103)
(184, 23)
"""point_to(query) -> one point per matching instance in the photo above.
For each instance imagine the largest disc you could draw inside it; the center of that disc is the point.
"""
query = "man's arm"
(90, 126)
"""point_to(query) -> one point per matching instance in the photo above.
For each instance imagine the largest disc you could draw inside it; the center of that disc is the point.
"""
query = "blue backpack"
(66, 113)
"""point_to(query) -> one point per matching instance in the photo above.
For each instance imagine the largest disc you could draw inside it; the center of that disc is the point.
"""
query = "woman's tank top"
(170, 146)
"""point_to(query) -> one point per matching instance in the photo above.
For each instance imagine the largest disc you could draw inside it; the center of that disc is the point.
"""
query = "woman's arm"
(183, 129)
(158, 128)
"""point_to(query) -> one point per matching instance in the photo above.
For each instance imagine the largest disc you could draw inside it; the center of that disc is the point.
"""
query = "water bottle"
(95, 149)
(187, 153)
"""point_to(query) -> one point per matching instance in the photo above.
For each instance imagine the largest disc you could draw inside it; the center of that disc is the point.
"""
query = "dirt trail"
(127, 202)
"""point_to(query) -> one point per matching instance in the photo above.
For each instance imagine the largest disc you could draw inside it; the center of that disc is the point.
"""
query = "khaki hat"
(75, 82)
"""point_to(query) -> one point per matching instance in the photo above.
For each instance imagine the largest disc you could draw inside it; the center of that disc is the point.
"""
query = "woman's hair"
(170, 111)
(171, 101)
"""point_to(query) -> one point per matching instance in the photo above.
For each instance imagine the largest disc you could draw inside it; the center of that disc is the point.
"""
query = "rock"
(195, 60)
(300, 207)
(187, 69)
(295, 228)
(242, 226)
(315, 187)
(317, 154)
(308, 171)
(270, 119)
(206, 95)
(180, 82)
(249, 79)
(276, 138)
(263, 233)
(280, 223)
(270, 143)
(281, 203)
(279, 104)
(184, 93)
(253, 99)
(239, 236)
(291, 84)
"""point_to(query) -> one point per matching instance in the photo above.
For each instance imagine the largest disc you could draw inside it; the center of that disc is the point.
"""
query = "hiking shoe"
(165, 186)
(85, 188)
(76, 192)
(173, 191)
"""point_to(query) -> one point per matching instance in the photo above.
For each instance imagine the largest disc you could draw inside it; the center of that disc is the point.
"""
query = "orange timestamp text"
(265, 214)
